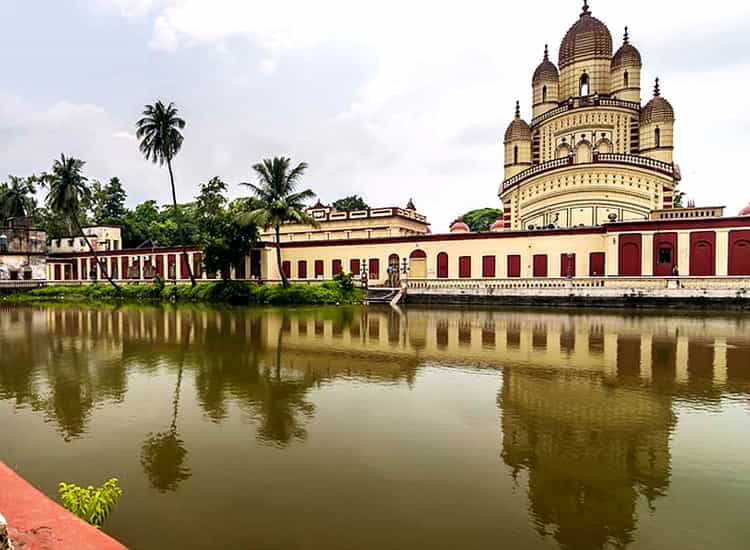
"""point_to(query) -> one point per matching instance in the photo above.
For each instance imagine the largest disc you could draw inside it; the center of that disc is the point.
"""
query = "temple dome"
(459, 227)
(546, 71)
(499, 225)
(518, 129)
(627, 56)
(588, 38)
(658, 109)
(745, 211)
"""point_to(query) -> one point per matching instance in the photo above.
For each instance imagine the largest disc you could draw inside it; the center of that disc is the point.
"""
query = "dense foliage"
(348, 204)
(481, 220)
(93, 505)
(340, 291)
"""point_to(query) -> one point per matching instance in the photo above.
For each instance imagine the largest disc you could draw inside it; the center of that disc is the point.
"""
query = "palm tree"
(16, 198)
(160, 140)
(67, 189)
(278, 203)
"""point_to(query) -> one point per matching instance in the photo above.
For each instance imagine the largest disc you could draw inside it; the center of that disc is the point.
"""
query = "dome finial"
(518, 109)
(586, 10)
(546, 52)
(626, 39)
(657, 89)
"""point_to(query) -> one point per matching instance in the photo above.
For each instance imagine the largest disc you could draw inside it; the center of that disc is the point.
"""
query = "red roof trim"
(676, 224)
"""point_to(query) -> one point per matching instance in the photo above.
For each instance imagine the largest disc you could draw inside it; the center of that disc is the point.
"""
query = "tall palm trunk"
(180, 228)
(97, 259)
(284, 280)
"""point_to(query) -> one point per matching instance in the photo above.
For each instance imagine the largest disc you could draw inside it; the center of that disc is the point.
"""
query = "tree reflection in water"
(163, 454)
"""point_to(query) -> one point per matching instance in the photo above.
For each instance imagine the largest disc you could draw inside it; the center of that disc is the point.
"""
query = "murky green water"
(372, 429)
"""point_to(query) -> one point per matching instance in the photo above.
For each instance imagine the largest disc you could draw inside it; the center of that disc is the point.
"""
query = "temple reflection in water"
(587, 405)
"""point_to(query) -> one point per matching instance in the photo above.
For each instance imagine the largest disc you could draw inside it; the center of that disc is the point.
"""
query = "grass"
(231, 292)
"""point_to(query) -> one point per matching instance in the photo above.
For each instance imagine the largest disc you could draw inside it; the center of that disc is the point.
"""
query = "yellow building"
(587, 206)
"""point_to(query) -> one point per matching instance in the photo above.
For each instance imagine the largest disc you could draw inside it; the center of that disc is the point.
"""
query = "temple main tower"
(591, 153)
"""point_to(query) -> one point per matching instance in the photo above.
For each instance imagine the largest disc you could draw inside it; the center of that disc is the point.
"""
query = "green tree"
(16, 198)
(224, 239)
(67, 189)
(277, 200)
(348, 204)
(160, 140)
(113, 203)
(480, 220)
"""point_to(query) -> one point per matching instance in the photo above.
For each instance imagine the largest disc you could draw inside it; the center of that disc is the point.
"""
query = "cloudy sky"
(390, 99)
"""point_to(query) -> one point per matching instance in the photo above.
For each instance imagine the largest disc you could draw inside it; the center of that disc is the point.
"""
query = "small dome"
(588, 38)
(460, 227)
(745, 211)
(627, 55)
(658, 109)
(546, 71)
(518, 129)
(499, 225)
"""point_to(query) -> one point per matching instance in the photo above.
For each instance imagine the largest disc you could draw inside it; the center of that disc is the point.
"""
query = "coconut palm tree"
(277, 200)
(68, 187)
(160, 140)
(16, 198)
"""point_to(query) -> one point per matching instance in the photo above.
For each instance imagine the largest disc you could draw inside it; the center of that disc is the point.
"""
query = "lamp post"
(405, 270)
(363, 273)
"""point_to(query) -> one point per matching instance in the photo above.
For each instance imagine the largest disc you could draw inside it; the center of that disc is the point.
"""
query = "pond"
(341, 428)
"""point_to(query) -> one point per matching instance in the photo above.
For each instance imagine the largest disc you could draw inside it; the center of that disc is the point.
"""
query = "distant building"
(23, 251)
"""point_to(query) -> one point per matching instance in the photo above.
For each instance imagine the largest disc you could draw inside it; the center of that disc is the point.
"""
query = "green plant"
(93, 505)
(345, 281)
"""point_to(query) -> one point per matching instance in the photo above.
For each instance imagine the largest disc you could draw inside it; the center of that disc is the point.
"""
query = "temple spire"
(657, 89)
(546, 52)
(586, 10)
(626, 39)
(518, 109)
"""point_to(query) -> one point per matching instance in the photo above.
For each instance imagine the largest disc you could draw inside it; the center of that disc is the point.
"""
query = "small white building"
(104, 238)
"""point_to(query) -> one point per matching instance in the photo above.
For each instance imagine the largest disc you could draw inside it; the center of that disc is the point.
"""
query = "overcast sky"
(389, 100)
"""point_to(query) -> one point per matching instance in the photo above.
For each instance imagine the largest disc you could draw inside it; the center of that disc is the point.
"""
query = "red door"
(318, 269)
(286, 268)
(703, 254)
(160, 265)
(739, 252)
(596, 264)
(629, 264)
(124, 267)
(488, 266)
(540, 265)
(183, 268)
(374, 269)
(354, 267)
(336, 267)
(442, 265)
(514, 266)
(665, 254)
(302, 269)
(567, 265)
(57, 272)
(464, 267)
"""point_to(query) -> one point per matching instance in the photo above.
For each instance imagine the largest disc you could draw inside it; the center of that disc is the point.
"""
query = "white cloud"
(130, 8)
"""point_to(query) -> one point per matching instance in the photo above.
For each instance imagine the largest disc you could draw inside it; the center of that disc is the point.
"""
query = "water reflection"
(586, 406)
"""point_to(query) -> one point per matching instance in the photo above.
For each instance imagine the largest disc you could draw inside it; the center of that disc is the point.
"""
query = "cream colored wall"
(599, 71)
(648, 141)
(573, 126)
(524, 157)
(523, 245)
(586, 194)
(553, 96)
(365, 228)
(631, 92)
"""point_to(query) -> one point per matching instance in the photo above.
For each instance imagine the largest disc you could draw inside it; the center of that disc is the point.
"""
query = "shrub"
(91, 505)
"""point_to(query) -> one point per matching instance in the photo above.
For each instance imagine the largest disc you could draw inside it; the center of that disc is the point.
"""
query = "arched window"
(626, 79)
(544, 94)
(515, 154)
(584, 85)
(657, 137)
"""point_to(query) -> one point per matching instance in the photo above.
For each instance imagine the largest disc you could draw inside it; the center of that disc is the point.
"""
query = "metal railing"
(738, 283)
(584, 102)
